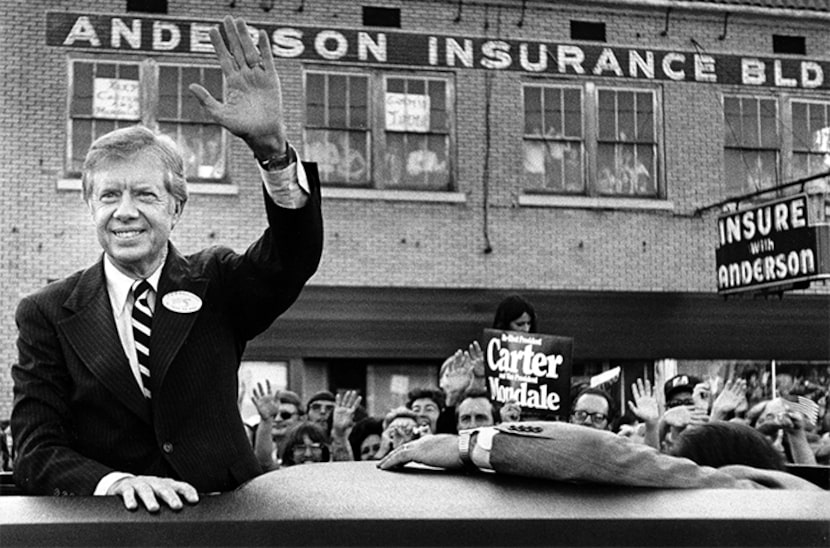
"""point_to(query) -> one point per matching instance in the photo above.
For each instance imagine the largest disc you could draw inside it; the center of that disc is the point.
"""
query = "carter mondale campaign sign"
(530, 368)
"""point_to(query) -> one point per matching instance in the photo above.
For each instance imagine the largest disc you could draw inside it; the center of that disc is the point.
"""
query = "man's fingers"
(234, 45)
(396, 458)
(222, 54)
(128, 496)
(147, 496)
(252, 57)
(265, 51)
(206, 99)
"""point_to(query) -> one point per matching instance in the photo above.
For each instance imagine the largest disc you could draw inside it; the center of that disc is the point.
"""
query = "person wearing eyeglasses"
(278, 412)
(306, 444)
(593, 408)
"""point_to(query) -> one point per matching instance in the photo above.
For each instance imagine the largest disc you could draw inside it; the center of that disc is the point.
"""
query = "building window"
(751, 143)
(107, 95)
(337, 127)
(811, 138)
(416, 147)
(376, 130)
(553, 139)
(559, 134)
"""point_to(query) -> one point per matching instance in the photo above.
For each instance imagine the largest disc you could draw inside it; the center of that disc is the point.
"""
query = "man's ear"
(178, 208)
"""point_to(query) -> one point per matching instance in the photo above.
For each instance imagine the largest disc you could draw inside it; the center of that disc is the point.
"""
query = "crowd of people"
(784, 429)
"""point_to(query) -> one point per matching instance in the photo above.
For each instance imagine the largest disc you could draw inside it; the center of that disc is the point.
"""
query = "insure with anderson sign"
(762, 255)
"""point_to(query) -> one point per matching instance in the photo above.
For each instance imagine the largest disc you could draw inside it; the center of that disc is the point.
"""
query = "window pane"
(191, 109)
(212, 81)
(554, 165)
(553, 112)
(395, 85)
(81, 139)
(607, 180)
(820, 127)
(573, 113)
(168, 107)
(435, 162)
(625, 116)
(128, 72)
(731, 121)
(607, 116)
(414, 170)
(769, 124)
(643, 171)
(801, 130)
(191, 149)
(749, 137)
(645, 118)
(315, 100)
(438, 106)
(394, 160)
(105, 70)
(354, 159)
(82, 89)
(416, 87)
(533, 110)
(534, 165)
(337, 101)
(358, 102)
(211, 160)
(574, 178)
(749, 171)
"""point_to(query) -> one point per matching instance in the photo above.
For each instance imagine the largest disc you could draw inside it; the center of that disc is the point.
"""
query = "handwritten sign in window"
(407, 112)
(115, 98)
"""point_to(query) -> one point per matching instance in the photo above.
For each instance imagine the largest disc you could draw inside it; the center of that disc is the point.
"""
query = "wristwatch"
(277, 161)
(465, 447)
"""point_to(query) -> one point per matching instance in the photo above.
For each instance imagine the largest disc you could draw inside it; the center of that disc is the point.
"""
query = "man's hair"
(472, 393)
(612, 407)
(123, 144)
(510, 309)
(721, 443)
(287, 396)
(433, 394)
(296, 436)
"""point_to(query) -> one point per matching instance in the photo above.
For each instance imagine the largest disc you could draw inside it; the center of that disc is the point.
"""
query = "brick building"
(567, 151)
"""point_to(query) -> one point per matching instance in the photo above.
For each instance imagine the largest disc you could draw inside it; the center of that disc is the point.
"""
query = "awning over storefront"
(429, 323)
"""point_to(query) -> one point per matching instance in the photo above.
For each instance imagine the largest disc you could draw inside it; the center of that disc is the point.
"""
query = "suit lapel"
(170, 328)
(91, 332)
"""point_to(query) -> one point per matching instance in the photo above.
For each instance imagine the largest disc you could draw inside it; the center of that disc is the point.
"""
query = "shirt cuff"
(108, 481)
(287, 187)
(480, 454)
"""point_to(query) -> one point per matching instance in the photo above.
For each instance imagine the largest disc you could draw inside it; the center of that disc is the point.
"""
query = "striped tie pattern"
(142, 323)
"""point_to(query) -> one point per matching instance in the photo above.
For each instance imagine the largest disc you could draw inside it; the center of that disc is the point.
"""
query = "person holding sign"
(127, 377)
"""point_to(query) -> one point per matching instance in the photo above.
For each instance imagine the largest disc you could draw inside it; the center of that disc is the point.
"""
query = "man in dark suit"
(127, 381)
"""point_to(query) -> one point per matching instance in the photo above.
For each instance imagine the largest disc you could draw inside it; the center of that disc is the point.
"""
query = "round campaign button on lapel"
(183, 302)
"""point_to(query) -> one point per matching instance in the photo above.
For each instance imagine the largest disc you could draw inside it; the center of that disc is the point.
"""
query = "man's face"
(286, 417)
(428, 413)
(474, 412)
(681, 397)
(591, 410)
(320, 411)
(133, 213)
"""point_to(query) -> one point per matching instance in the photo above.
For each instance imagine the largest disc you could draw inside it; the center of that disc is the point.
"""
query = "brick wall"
(46, 233)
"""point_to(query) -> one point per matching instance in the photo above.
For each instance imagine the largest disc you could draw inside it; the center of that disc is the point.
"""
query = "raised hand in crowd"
(646, 408)
(729, 400)
(511, 411)
(702, 397)
(793, 424)
(265, 400)
(345, 405)
(456, 376)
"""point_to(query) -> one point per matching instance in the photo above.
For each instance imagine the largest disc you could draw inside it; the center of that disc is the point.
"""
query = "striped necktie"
(142, 323)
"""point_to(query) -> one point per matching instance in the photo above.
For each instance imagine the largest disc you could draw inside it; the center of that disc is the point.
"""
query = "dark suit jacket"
(78, 412)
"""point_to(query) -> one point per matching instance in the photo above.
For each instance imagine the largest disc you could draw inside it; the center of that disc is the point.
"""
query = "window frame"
(376, 128)
(591, 195)
(148, 72)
